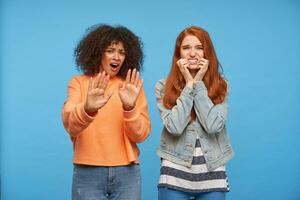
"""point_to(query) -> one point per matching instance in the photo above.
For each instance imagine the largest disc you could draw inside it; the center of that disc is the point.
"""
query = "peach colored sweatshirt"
(109, 138)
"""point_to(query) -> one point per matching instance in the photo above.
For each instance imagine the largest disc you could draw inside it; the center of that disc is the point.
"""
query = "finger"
(101, 79)
(106, 98)
(184, 60)
(205, 61)
(105, 82)
(140, 84)
(109, 95)
(137, 78)
(90, 84)
(128, 75)
(122, 85)
(95, 81)
(180, 62)
(133, 75)
(185, 65)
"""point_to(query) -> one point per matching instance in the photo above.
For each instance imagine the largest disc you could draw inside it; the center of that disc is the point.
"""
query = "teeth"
(193, 62)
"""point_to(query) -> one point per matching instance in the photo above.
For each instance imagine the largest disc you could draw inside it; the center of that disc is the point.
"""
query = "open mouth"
(114, 65)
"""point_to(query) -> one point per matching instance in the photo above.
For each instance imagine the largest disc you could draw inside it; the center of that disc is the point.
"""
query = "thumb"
(109, 95)
(121, 85)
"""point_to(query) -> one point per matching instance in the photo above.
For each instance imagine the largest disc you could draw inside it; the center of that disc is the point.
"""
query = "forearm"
(137, 124)
(212, 117)
(176, 119)
(75, 119)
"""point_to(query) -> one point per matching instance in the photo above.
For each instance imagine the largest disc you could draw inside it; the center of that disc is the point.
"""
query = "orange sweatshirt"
(109, 138)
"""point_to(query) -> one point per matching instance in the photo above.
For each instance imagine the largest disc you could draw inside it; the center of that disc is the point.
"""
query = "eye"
(185, 47)
(109, 50)
(122, 53)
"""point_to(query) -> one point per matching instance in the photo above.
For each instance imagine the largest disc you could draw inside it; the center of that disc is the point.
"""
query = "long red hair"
(213, 81)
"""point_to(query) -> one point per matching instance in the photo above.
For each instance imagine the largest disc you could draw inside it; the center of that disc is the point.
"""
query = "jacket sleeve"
(74, 117)
(212, 117)
(137, 122)
(176, 119)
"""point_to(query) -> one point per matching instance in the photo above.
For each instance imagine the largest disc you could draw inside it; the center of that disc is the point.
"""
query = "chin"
(113, 73)
(193, 67)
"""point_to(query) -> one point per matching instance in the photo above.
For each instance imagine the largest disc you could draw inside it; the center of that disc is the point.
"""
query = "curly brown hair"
(89, 51)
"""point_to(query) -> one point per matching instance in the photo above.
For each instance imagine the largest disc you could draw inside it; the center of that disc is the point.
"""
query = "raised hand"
(130, 89)
(96, 97)
(183, 67)
(203, 63)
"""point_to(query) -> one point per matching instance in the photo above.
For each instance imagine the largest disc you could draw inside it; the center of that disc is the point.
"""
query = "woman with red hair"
(194, 145)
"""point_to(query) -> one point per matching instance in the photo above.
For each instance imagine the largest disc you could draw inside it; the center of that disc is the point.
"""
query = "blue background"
(257, 43)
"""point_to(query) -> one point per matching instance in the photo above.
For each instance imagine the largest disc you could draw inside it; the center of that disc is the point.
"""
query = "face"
(191, 49)
(113, 58)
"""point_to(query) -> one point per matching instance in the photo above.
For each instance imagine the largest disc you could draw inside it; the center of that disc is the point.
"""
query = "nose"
(116, 56)
(192, 52)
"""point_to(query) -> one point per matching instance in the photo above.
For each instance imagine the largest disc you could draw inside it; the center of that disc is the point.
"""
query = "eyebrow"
(112, 47)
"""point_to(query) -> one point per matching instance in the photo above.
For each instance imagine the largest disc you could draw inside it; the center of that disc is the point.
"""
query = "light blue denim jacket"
(177, 142)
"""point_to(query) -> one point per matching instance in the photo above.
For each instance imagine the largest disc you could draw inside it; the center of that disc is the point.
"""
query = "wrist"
(190, 84)
(90, 112)
(128, 107)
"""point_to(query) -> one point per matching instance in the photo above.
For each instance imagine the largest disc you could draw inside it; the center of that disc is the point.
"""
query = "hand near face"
(183, 67)
(130, 89)
(203, 63)
(96, 97)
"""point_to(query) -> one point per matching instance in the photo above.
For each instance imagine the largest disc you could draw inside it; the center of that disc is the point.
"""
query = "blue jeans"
(103, 183)
(170, 194)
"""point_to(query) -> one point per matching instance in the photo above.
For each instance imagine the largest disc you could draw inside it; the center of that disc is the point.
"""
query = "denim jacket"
(177, 142)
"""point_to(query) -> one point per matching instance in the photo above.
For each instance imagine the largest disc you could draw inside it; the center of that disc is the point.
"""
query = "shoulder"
(79, 79)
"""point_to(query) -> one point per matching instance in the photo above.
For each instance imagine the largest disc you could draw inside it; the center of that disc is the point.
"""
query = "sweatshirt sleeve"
(136, 121)
(212, 117)
(176, 119)
(74, 117)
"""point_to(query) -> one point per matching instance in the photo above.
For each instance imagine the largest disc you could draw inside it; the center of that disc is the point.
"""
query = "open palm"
(130, 89)
(96, 98)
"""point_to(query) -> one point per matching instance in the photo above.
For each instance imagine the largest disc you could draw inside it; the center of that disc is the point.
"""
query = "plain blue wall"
(258, 45)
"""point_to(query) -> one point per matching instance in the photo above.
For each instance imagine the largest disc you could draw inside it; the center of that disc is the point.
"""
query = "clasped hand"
(183, 65)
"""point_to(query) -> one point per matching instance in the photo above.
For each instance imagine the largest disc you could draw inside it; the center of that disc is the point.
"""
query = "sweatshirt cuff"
(130, 115)
(85, 117)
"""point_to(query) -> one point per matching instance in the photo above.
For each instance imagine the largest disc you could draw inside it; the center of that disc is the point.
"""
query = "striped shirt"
(193, 179)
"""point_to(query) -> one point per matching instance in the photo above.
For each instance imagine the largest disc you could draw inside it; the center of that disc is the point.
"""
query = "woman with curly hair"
(194, 146)
(106, 115)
